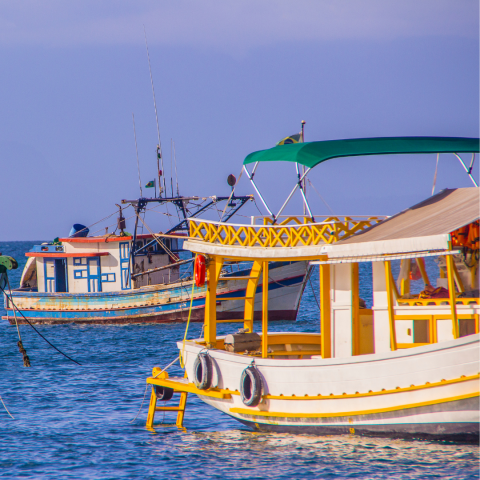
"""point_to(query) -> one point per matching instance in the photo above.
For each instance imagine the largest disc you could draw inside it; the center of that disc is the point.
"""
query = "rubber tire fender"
(251, 387)
(203, 371)
(163, 393)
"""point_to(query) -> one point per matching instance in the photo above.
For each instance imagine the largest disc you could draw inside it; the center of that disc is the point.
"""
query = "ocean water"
(75, 422)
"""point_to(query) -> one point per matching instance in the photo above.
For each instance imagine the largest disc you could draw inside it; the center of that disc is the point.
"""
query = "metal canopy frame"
(299, 185)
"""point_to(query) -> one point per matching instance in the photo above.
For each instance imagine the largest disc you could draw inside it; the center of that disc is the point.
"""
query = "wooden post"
(214, 269)
(151, 409)
(325, 321)
(391, 313)
(355, 310)
(265, 311)
(423, 272)
(250, 295)
(405, 282)
(451, 290)
(182, 405)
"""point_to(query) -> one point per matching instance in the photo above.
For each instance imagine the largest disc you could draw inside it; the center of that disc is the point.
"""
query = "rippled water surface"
(74, 422)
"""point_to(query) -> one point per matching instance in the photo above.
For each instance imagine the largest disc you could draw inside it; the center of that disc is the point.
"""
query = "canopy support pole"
(291, 194)
(302, 191)
(468, 170)
(250, 177)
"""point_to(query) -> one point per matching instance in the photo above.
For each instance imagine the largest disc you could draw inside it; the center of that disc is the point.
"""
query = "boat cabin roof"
(424, 227)
(311, 154)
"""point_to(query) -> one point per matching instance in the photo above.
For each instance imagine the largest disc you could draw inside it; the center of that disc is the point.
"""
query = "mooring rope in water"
(145, 392)
(4, 406)
(51, 344)
(21, 348)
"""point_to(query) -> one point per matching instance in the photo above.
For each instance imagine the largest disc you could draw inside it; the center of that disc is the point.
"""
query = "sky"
(230, 78)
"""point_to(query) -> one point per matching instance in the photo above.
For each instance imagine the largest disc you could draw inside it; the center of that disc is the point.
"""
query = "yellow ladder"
(153, 403)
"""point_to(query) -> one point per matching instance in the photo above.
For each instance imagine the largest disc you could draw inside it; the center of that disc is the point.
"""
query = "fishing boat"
(408, 366)
(122, 278)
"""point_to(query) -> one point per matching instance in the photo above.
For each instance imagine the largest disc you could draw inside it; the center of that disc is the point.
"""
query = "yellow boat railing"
(291, 232)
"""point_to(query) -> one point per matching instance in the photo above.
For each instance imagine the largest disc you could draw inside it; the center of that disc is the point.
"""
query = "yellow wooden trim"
(458, 279)
(423, 272)
(417, 302)
(258, 413)
(265, 311)
(189, 388)
(405, 282)
(355, 309)
(283, 234)
(214, 269)
(371, 394)
(411, 345)
(391, 314)
(325, 312)
(285, 353)
(451, 289)
(250, 293)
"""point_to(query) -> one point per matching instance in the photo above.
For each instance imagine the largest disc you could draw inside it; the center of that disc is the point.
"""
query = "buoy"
(251, 387)
(200, 271)
(203, 371)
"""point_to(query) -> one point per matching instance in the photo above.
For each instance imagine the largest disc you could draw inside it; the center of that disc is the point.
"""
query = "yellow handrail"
(294, 234)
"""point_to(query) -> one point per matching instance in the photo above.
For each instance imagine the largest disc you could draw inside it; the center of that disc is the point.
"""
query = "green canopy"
(313, 153)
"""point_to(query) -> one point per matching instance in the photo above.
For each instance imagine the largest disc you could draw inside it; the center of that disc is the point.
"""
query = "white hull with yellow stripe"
(427, 391)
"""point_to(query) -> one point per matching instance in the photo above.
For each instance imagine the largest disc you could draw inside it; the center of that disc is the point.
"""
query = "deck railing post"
(451, 290)
(214, 268)
(250, 295)
(265, 311)
(325, 321)
(391, 312)
(355, 310)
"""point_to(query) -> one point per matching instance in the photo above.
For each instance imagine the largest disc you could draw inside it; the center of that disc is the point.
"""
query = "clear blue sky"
(230, 78)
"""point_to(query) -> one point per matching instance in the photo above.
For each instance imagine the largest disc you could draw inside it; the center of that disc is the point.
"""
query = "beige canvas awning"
(423, 227)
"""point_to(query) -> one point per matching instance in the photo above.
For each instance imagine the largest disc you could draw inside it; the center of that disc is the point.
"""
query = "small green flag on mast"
(150, 184)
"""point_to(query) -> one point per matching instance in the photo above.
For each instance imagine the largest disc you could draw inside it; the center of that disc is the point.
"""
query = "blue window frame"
(108, 277)
(80, 274)
(125, 265)
(79, 261)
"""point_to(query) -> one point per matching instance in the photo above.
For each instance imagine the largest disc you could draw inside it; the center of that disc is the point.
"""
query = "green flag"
(150, 184)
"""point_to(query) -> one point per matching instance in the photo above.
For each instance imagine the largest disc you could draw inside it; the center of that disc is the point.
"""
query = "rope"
(169, 252)
(145, 393)
(321, 198)
(53, 346)
(4, 406)
(182, 364)
(21, 348)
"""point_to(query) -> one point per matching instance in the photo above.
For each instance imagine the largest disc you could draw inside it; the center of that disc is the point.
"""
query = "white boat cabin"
(99, 264)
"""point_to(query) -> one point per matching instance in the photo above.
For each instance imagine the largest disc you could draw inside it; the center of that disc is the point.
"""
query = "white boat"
(407, 367)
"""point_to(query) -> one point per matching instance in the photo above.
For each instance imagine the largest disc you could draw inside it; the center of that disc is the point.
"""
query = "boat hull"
(161, 303)
(424, 392)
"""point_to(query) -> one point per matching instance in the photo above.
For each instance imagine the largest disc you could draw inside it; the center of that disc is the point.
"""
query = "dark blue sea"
(75, 422)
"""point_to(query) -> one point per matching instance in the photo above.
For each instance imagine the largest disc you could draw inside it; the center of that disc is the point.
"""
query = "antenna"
(136, 148)
(159, 147)
(171, 164)
(176, 175)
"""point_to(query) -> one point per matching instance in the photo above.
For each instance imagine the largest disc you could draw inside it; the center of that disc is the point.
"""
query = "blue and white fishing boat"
(139, 278)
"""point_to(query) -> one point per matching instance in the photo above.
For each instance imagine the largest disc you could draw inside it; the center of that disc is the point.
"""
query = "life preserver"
(203, 371)
(473, 236)
(163, 393)
(199, 271)
(251, 387)
(460, 237)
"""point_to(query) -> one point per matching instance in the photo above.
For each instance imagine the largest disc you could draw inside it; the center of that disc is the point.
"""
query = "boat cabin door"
(55, 275)
(93, 275)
